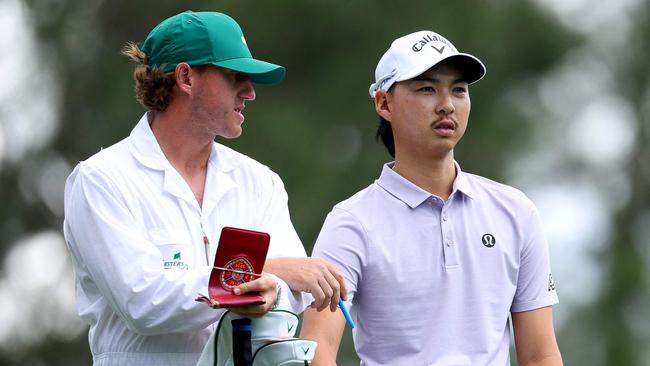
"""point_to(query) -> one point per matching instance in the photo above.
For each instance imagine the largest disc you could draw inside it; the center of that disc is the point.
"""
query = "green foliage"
(316, 129)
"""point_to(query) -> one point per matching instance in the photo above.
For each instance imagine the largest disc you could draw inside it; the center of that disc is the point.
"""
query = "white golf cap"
(415, 53)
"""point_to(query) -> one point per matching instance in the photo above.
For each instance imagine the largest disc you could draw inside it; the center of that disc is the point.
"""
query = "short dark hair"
(385, 134)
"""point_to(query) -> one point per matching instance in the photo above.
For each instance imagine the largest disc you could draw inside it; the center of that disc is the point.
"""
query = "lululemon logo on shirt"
(488, 240)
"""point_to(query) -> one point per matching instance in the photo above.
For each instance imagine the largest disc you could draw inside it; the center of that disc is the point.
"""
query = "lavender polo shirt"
(433, 282)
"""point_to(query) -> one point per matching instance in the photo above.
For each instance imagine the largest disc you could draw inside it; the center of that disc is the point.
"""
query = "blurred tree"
(317, 128)
(626, 291)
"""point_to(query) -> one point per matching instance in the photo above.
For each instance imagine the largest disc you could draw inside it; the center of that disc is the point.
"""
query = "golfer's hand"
(266, 286)
(313, 275)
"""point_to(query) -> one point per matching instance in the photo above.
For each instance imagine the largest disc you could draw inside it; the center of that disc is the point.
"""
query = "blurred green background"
(563, 114)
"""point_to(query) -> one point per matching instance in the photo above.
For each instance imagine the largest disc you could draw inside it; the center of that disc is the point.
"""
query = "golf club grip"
(241, 342)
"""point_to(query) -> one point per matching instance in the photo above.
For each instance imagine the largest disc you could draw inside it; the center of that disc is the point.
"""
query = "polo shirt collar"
(462, 184)
(409, 193)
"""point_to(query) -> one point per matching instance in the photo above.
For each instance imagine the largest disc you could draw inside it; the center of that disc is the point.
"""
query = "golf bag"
(264, 341)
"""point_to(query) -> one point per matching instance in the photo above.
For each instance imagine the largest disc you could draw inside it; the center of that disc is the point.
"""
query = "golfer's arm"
(535, 338)
(326, 328)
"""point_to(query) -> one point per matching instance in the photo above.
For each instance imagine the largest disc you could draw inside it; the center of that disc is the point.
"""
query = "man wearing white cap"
(436, 261)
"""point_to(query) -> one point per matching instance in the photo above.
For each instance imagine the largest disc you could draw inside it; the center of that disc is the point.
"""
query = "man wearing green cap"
(143, 217)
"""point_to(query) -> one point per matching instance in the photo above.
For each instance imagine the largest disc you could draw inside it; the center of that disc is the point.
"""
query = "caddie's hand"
(266, 286)
(313, 275)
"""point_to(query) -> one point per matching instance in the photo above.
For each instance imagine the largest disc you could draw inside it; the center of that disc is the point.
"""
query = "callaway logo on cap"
(415, 53)
(206, 38)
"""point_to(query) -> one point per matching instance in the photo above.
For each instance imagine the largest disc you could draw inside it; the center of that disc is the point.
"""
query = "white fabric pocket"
(175, 248)
(288, 352)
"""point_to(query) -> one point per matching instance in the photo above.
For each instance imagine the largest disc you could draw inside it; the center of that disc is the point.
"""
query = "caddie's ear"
(183, 74)
(382, 104)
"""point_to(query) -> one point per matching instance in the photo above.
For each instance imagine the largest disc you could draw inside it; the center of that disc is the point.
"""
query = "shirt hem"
(532, 305)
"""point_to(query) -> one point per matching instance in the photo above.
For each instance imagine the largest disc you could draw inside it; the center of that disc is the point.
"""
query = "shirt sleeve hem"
(533, 305)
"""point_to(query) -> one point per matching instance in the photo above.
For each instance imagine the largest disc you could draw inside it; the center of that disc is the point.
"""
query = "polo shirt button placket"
(450, 251)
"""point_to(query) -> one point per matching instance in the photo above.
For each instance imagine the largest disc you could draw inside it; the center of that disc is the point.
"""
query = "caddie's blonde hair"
(153, 87)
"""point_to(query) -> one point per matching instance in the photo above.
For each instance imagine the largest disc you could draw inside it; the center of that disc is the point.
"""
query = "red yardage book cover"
(240, 258)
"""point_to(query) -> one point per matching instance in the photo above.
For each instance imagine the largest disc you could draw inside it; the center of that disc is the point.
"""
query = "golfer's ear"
(383, 104)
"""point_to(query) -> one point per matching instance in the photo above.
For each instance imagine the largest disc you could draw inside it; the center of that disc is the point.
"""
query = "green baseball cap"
(206, 38)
